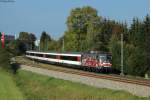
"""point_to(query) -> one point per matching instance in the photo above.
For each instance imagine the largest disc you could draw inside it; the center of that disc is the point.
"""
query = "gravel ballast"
(138, 90)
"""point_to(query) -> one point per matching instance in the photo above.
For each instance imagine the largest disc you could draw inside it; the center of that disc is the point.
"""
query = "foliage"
(4, 59)
(26, 41)
(24, 36)
(139, 37)
(0, 34)
(82, 26)
(116, 52)
(32, 39)
(53, 45)
(71, 42)
(44, 40)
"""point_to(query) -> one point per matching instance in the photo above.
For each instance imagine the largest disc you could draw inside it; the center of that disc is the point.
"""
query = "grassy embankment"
(8, 88)
(38, 87)
(30, 86)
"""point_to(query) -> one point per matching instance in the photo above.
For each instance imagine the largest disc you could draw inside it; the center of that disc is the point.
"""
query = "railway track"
(102, 76)
(117, 78)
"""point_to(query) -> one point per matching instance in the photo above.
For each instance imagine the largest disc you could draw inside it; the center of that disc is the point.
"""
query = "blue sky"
(50, 15)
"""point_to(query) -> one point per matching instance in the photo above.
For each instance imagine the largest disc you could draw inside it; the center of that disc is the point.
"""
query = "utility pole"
(39, 44)
(46, 44)
(63, 46)
(122, 69)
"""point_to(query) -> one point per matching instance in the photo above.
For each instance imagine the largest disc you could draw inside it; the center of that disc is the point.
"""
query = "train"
(95, 60)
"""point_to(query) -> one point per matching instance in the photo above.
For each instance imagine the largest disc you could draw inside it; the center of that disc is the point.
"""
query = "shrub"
(4, 59)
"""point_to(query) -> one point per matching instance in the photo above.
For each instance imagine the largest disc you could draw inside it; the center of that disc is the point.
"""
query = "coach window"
(32, 54)
(39, 55)
(51, 56)
(72, 58)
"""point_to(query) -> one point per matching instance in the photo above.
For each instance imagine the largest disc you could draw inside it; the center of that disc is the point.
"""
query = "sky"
(36, 16)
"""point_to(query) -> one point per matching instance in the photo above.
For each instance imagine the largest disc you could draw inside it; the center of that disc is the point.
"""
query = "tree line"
(87, 31)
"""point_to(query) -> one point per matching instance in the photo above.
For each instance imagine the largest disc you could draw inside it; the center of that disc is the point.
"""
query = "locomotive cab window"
(109, 58)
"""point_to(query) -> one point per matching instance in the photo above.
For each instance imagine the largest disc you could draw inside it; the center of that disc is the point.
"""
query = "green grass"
(38, 87)
(8, 88)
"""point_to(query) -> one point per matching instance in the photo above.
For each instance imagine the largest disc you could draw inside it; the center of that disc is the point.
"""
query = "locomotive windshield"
(102, 58)
(105, 58)
(109, 57)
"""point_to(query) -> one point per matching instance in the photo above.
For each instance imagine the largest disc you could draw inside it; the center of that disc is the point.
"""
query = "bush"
(4, 59)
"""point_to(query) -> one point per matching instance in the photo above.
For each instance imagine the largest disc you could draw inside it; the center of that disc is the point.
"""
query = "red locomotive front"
(96, 59)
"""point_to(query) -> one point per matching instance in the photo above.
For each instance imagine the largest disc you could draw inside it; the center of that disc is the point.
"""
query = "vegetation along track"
(118, 78)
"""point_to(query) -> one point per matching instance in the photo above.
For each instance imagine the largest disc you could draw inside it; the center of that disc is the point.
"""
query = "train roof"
(97, 52)
(57, 53)
(74, 53)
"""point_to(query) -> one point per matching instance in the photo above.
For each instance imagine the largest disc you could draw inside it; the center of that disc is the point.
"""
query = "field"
(38, 87)
(8, 88)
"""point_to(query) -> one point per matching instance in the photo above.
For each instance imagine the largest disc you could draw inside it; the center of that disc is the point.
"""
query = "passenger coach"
(62, 58)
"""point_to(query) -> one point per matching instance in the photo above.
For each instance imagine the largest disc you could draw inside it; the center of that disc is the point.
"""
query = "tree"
(93, 31)
(24, 40)
(0, 34)
(116, 29)
(44, 40)
(115, 46)
(81, 24)
(138, 59)
(71, 42)
(32, 41)
(135, 34)
(24, 36)
(146, 28)
(53, 45)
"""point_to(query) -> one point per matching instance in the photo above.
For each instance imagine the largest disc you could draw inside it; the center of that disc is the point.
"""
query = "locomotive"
(90, 60)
